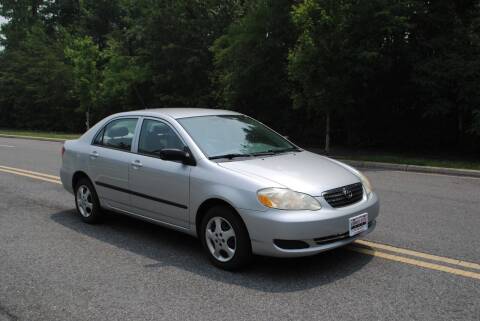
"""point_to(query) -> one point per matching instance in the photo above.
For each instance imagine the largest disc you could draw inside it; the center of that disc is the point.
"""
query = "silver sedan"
(224, 177)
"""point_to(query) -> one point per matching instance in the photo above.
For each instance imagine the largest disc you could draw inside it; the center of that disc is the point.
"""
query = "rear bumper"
(66, 178)
(308, 227)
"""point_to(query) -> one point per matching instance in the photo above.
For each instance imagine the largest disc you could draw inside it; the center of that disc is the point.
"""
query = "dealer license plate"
(358, 224)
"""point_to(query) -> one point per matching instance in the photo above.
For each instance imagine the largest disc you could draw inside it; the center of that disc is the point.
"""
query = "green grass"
(53, 135)
(413, 160)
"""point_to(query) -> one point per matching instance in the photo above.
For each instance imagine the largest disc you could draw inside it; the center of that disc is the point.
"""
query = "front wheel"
(87, 203)
(225, 238)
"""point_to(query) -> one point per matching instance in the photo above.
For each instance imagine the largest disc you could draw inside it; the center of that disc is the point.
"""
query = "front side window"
(155, 136)
(233, 135)
(118, 134)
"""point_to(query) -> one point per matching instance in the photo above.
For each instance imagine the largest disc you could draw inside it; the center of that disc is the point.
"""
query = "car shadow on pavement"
(168, 248)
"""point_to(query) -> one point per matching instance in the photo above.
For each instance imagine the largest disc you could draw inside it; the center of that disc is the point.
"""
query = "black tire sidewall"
(243, 251)
(96, 214)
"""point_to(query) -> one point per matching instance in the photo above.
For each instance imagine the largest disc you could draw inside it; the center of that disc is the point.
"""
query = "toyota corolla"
(221, 176)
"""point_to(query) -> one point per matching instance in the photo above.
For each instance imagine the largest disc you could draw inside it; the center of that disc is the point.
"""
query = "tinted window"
(99, 138)
(222, 135)
(155, 136)
(118, 134)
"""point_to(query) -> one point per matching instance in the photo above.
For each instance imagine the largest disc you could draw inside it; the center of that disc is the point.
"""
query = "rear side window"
(117, 134)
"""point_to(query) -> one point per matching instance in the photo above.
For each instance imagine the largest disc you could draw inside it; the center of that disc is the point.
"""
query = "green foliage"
(250, 61)
(85, 57)
(122, 73)
(448, 70)
(35, 83)
(401, 73)
(320, 61)
(177, 37)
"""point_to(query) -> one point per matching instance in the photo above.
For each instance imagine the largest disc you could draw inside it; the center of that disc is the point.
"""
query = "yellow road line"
(427, 265)
(394, 249)
(29, 172)
(369, 251)
(31, 176)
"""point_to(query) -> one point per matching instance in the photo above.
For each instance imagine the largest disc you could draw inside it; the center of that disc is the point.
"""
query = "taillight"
(63, 150)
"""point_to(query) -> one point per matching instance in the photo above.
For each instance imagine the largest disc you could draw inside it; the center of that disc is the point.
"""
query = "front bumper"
(306, 226)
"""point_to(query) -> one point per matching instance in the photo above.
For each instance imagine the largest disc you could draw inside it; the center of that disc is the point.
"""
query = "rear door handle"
(137, 163)
(94, 154)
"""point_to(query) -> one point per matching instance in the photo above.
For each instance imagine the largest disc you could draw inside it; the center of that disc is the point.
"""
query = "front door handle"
(137, 163)
(94, 154)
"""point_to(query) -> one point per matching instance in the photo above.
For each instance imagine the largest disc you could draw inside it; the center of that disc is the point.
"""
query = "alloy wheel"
(221, 239)
(84, 201)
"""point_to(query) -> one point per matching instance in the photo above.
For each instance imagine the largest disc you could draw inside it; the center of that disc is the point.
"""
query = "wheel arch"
(77, 176)
(208, 204)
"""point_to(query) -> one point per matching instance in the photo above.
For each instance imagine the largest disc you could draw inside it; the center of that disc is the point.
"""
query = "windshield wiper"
(291, 149)
(229, 156)
(265, 153)
(276, 151)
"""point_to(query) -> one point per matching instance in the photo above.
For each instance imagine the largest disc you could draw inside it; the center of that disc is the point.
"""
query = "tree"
(250, 62)
(35, 84)
(447, 43)
(319, 63)
(24, 12)
(175, 37)
(123, 74)
(85, 57)
(400, 74)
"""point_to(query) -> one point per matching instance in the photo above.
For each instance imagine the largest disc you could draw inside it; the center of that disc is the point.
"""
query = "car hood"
(303, 171)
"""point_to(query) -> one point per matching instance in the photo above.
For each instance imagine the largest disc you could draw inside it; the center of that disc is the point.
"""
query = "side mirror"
(171, 154)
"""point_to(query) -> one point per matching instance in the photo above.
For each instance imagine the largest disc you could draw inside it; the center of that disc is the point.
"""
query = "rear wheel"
(225, 238)
(87, 203)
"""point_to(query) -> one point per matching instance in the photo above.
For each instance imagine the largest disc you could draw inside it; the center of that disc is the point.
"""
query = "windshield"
(230, 136)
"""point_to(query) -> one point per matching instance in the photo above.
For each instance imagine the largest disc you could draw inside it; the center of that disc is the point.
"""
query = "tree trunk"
(34, 9)
(327, 133)
(87, 116)
(459, 126)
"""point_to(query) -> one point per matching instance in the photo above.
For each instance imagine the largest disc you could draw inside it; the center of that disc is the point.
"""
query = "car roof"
(179, 112)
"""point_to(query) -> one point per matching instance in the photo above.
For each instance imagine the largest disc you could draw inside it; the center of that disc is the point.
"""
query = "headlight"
(366, 183)
(285, 199)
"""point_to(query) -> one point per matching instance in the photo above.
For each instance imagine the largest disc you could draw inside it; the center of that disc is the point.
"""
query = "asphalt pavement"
(54, 267)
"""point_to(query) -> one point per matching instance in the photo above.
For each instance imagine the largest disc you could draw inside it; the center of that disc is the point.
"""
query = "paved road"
(53, 267)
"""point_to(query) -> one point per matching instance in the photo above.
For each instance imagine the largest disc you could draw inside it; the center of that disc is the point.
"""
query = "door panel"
(160, 189)
(109, 170)
(109, 161)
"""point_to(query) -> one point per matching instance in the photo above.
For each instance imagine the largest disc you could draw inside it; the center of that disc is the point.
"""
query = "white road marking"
(8, 146)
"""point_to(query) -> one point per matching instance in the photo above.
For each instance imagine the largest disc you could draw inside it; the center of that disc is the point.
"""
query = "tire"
(86, 201)
(226, 250)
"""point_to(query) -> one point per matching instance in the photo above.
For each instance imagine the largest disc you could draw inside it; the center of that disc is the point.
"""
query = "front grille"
(331, 238)
(345, 195)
